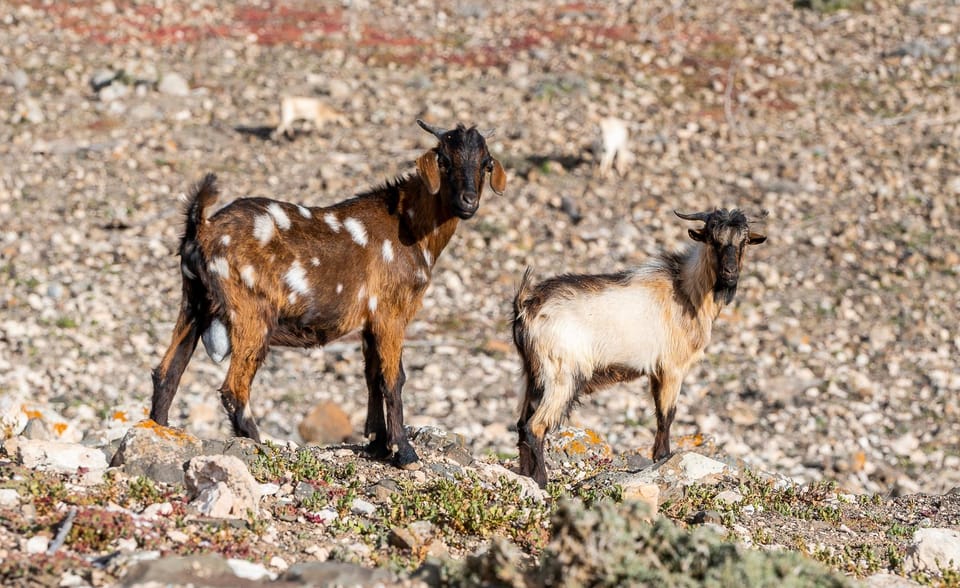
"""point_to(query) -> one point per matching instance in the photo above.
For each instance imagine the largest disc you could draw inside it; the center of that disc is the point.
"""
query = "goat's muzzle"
(729, 272)
(466, 205)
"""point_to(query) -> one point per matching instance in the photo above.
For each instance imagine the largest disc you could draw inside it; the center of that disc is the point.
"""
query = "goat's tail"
(204, 194)
(523, 295)
(520, 302)
(192, 262)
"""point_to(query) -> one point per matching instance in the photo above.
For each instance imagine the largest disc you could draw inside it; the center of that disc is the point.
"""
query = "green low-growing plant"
(468, 506)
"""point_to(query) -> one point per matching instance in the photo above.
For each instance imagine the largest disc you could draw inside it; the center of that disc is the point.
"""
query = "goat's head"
(726, 233)
(460, 161)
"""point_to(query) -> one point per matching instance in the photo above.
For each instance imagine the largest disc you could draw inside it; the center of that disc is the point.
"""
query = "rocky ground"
(835, 365)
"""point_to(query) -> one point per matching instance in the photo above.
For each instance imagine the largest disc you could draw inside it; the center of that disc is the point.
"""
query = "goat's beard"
(724, 292)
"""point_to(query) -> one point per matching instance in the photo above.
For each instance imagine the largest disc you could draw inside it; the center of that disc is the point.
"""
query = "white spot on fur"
(356, 230)
(249, 276)
(361, 292)
(410, 213)
(216, 341)
(387, 251)
(225, 240)
(339, 288)
(292, 298)
(279, 215)
(219, 266)
(263, 228)
(372, 304)
(186, 271)
(296, 278)
(422, 276)
(315, 261)
(332, 222)
(428, 257)
(304, 211)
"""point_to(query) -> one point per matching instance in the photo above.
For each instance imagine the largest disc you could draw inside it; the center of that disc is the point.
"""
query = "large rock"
(221, 486)
(58, 456)
(934, 550)
(198, 570)
(331, 573)
(156, 452)
(576, 446)
(325, 423)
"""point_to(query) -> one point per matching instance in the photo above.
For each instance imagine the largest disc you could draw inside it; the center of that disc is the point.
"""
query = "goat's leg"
(529, 443)
(664, 387)
(376, 426)
(166, 376)
(387, 340)
(249, 351)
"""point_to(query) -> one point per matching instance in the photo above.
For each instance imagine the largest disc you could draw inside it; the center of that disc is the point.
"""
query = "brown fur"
(295, 278)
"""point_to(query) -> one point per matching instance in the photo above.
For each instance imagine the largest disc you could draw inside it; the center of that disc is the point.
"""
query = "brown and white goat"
(579, 333)
(261, 272)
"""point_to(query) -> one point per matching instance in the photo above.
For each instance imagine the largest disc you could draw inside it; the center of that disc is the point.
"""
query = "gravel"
(837, 360)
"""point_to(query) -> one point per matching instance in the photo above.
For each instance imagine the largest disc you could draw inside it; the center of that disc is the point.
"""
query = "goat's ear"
(498, 179)
(756, 238)
(697, 235)
(429, 171)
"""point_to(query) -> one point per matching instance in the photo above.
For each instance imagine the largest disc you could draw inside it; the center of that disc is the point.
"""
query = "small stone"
(9, 498)
(729, 497)
(362, 507)
(177, 536)
(642, 492)
(173, 84)
(37, 544)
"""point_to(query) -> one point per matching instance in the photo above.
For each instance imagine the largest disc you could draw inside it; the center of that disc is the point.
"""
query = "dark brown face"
(462, 163)
(464, 160)
(727, 233)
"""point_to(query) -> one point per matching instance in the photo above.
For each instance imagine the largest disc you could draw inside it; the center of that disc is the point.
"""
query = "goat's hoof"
(377, 450)
(406, 458)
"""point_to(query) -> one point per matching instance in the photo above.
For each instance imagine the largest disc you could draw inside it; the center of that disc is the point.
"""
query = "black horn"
(435, 131)
(694, 216)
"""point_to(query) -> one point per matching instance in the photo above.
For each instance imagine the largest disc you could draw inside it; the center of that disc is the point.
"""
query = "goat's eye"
(443, 160)
(488, 165)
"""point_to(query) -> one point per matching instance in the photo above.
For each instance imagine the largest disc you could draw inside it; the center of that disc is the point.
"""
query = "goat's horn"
(435, 131)
(694, 216)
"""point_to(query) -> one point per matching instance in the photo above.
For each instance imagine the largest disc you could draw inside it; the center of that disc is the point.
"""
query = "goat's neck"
(698, 275)
(431, 222)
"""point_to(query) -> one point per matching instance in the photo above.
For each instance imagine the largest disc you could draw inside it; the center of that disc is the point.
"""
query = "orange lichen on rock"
(120, 415)
(690, 441)
(59, 428)
(165, 432)
(31, 414)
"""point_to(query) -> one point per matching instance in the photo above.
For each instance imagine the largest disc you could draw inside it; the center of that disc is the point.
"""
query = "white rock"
(59, 456)
(9, 498)
(37, 544)
(221, 486)
(933, 550)
(160, 509)
(268, 489)
(695, 467)
(362, 507)
(326, 515)
(250, 571)
(279, 563)
(173, 84)
(528, 488)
